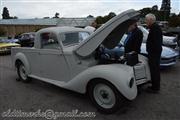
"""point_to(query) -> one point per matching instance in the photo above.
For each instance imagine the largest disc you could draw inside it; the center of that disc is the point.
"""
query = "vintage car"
(168, 56)
(69, 58)
(6, 45)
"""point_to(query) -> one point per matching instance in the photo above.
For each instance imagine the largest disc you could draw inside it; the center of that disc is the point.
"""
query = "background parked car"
(168, 56)
(27, 39)
(169, 41)
(5, 40)
(7, 44)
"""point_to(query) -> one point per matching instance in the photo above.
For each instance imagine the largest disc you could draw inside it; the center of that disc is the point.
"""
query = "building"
(13, 27)
(76, 22)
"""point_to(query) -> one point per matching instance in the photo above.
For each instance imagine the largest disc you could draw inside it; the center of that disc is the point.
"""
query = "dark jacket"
(154, 41)
(135, 41)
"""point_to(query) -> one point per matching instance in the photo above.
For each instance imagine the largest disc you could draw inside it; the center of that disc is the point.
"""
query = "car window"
(74, 37)
(49, 41)
(83, 36)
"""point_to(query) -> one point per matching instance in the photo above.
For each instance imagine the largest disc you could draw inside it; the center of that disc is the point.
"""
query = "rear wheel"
(105, 96)
(22, 72)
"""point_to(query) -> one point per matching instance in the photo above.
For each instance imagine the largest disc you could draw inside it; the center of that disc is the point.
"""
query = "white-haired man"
(154, 49)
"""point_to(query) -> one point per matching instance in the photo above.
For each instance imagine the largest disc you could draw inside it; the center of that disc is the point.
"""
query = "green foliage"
(90, 16)
(56, 15)
(15, 17)
(160, 15)
(101, 20)
(174, 21)
(5, 14)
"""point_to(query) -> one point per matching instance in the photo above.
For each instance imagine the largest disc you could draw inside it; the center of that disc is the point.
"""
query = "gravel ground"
(38, 95)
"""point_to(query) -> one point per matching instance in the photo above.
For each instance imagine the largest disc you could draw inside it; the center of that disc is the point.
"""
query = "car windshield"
(74, 38)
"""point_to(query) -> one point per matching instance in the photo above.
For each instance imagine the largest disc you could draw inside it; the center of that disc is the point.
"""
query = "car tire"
(22, 73)
(105, 96)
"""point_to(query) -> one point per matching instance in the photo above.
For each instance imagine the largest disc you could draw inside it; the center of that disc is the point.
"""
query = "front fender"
(144, 60)
(23, 59)
(117, 74)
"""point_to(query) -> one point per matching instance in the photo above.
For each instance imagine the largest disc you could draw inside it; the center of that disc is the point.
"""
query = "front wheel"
(105, 96)
(22, 73)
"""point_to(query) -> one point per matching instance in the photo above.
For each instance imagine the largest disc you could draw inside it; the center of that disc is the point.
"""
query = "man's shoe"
(151, 90)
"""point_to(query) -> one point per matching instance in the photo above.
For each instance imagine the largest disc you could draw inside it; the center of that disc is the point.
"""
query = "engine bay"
(104, 57)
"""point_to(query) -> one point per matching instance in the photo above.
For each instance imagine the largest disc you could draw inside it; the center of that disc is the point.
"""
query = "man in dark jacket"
(154, 49)
(134, 39)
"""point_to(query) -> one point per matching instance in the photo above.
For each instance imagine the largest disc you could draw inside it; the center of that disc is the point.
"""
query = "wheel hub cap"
(104, 96)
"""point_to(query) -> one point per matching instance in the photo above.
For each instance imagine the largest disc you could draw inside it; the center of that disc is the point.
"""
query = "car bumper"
(168, 61)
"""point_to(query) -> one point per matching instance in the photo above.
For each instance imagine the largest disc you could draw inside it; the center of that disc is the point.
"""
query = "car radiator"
(139, 71)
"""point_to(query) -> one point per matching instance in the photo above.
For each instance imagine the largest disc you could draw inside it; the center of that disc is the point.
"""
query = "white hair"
(151, 16)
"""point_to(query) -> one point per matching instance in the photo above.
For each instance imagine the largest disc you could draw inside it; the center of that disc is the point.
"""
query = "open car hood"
(108, 34)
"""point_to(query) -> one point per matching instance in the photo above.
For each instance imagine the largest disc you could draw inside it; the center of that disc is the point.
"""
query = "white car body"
(74, 66)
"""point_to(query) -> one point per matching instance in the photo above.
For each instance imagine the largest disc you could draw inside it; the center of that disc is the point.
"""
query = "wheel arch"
(99, 79)
(113, 74)
(21, 58)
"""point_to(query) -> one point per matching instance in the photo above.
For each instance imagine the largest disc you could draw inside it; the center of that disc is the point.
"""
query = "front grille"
(140, 71)
(168, 60)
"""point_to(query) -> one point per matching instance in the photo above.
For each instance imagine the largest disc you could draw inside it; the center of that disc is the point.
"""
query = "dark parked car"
(27, 39)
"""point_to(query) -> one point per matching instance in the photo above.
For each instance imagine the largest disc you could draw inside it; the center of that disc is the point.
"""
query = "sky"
(25, 9)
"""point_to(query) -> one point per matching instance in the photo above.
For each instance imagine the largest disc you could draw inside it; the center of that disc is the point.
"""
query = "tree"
(90, 16)
(160, 15)
(99, 20)
(174, 20)
(46, 17)
(5, 14)
(111, 14)
(15, 17)
(56, 15)
(102, 20)
(155, 7)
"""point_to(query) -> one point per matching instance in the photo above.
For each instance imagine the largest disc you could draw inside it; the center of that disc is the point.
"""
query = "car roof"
(28, 33)
(58, 30)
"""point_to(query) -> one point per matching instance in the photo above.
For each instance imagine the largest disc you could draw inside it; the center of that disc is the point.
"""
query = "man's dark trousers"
(154, 64)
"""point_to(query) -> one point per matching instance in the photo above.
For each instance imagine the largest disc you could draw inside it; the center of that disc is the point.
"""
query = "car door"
(53, 63)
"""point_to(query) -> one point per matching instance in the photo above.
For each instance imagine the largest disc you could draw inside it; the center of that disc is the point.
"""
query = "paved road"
(41, 96)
